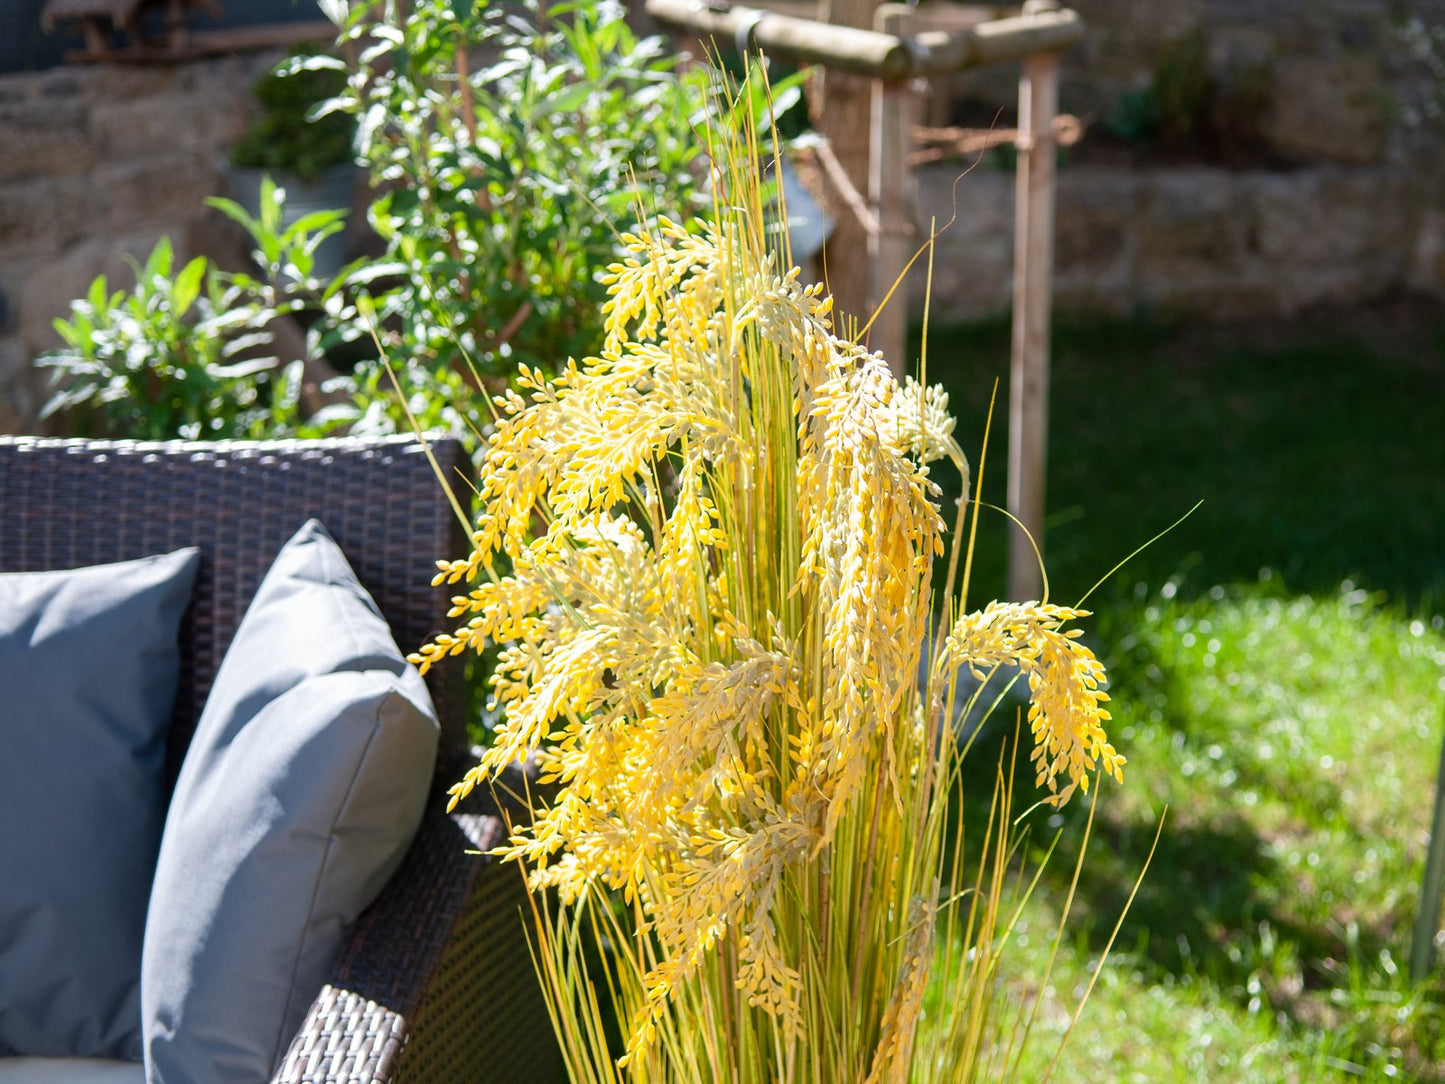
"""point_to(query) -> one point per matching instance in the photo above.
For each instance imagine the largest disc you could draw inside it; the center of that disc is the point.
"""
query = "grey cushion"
(88, 673)
(298, 796)
(70, 1071)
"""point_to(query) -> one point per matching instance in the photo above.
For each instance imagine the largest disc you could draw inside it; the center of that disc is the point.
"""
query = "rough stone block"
(1212, 296)
(159, 193)
(121, 82)
(1350, 283)
(1233, 47)
(50, 210)
(1088, 241)
(1427, 268)
(1188, 192)
(166, 124)
(139, 128)
(12, 357)
(52, 286)
(58, 83)
(19, 389)
(1286, 223)
(1328, 216)
(1328, 108)
(1094, 220)
(230, 76)
(1189, 215)
(44, 138)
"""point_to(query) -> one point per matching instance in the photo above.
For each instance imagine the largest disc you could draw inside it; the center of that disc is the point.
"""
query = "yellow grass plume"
(705, 557)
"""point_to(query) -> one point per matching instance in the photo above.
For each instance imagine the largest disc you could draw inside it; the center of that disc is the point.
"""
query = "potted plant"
(307, 153)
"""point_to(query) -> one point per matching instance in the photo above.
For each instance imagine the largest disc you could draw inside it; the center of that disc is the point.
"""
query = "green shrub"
(509, 149)
(182, 353)
(503, 189)
(285, 138)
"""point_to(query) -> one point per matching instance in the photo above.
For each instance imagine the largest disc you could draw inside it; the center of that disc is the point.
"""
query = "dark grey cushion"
(298, 796)
(88, 672)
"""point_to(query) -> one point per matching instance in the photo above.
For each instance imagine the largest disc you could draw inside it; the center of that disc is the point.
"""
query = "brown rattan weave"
(435, 982)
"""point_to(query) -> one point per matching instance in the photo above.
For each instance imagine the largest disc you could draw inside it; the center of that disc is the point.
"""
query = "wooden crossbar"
(890, 57)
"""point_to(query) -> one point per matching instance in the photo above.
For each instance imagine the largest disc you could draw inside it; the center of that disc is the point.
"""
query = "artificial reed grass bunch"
(706, 559)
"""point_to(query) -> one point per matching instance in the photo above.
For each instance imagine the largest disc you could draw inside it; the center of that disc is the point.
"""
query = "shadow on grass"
(1314, 446)
(1201, 911)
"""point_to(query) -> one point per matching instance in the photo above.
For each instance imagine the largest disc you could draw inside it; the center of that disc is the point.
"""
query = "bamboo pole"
(1033, 275)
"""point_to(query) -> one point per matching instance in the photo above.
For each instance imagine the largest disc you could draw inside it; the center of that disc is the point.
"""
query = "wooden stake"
(894, 109)
(843, 112)
(1033, 274)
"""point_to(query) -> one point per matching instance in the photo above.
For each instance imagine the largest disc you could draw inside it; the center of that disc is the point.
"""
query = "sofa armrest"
(435, 982)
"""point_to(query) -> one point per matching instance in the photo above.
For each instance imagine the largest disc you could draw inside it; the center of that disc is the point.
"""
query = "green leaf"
(380, 47)
(787, 95)
(566, 100)
(338, 11)
(363, 272)
(239, 370)
(67, 399)
(312, 62)
(158, 263)
(188, 286)
(98, 294)
(503, 69)
(242, 343)
(338, 105)
(69, 332)
(273, 199)
(232, 319)
(300, 263)
(325, 222)
(234, 211)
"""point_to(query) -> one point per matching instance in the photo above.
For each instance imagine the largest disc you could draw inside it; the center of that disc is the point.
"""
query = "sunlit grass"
(1318, 456)
(1277, 664)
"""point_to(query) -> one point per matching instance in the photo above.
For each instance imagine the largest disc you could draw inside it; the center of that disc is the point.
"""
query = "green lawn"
(1278, 666)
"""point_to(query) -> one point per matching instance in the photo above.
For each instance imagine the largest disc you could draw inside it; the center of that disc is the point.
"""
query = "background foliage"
(507, 148)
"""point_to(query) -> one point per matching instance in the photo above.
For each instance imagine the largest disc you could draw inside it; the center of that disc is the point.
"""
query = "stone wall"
(1300, 160)
(1190, 240)
(1293, 81)
(97, 163)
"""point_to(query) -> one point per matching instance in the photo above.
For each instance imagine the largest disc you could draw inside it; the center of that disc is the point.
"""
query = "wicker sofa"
(435, 982)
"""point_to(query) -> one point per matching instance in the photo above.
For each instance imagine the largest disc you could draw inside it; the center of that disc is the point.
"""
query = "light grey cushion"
(88, 671)
(70, 1071)
(300, 792)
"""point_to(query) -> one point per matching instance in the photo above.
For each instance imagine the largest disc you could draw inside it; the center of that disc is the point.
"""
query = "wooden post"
(894, 107)
(1037, 35)
(1033, 274)
(845, 108)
